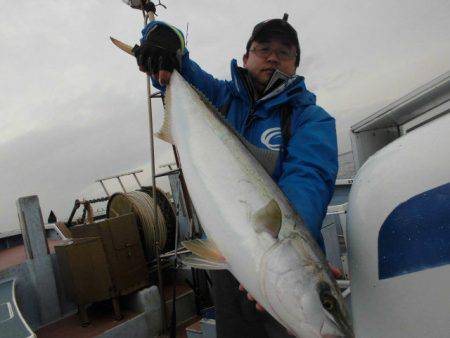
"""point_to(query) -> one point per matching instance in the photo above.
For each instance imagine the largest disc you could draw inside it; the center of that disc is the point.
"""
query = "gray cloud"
(73, 107)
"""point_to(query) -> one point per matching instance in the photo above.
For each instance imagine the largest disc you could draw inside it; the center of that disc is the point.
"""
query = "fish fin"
(197, 262)
(164, 133)
(123, 46)
(268, 219)
(204, 248)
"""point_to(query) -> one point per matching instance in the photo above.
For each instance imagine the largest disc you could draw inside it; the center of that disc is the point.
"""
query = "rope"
(143, 206)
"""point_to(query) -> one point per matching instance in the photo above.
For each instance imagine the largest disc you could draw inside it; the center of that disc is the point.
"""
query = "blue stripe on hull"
(416, 235)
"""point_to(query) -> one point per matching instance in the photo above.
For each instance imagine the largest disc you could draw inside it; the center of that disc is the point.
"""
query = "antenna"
(187, 34)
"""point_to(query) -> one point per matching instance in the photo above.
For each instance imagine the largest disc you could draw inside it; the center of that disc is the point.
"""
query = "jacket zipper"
(248, 85)
(251, 117)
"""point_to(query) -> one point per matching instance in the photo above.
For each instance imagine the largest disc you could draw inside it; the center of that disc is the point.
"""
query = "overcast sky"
(73, 107)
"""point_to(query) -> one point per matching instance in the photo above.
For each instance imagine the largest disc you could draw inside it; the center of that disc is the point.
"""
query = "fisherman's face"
(262, 66)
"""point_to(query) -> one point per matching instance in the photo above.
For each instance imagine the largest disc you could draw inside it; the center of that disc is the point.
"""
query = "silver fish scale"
(266, 157)
(288, 282)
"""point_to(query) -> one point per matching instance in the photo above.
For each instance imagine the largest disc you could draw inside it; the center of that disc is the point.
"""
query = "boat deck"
(101, 320)
(101, 316)
(16, 255)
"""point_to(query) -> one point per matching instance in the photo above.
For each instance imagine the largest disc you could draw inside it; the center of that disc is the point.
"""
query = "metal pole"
(149, 17)
(173, 322)
(161, 291)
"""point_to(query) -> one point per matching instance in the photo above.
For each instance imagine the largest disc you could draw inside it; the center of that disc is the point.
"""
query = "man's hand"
(156, 62)
(160, 52)
(163, 77)
(258, 306)
(335, 271)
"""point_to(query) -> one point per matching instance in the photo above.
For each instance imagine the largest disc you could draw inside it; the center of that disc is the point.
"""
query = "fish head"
(301, 293)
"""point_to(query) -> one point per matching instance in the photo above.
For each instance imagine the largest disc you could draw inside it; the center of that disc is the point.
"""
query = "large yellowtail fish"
(251, 228)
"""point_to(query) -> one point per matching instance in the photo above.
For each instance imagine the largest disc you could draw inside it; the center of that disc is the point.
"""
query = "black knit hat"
(276, 26)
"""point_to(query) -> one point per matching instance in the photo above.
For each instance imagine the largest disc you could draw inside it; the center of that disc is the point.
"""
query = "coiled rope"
(142, 205)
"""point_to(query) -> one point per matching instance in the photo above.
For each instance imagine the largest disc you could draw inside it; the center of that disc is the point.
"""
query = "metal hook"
(150, 7)
(160, 4)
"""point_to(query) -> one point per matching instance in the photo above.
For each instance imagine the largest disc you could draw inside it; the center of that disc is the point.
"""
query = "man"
(271, 108)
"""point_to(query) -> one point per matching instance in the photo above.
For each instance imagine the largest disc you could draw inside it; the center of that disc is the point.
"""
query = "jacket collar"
(293, 91)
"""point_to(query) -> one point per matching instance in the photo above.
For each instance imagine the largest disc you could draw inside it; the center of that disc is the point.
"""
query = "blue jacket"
(307, 167)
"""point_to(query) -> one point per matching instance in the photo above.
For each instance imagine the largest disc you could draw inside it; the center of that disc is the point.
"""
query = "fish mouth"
(334, 310)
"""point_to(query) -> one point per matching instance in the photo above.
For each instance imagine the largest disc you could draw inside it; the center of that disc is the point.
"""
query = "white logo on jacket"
(267, 137)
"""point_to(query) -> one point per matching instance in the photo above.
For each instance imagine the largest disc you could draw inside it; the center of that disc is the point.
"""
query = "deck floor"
(100, 315)
(16, 255)
(101, 319)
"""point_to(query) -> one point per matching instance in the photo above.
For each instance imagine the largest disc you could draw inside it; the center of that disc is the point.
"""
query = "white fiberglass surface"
(411, 165)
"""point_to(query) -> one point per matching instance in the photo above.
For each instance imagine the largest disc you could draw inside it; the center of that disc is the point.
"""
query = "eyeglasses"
(282, 54)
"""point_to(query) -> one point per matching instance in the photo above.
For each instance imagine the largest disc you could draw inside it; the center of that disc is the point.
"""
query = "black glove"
(161, 50)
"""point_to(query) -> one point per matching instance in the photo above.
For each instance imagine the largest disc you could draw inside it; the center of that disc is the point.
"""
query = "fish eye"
(329, 303)
(331, 306)
(326, 298)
